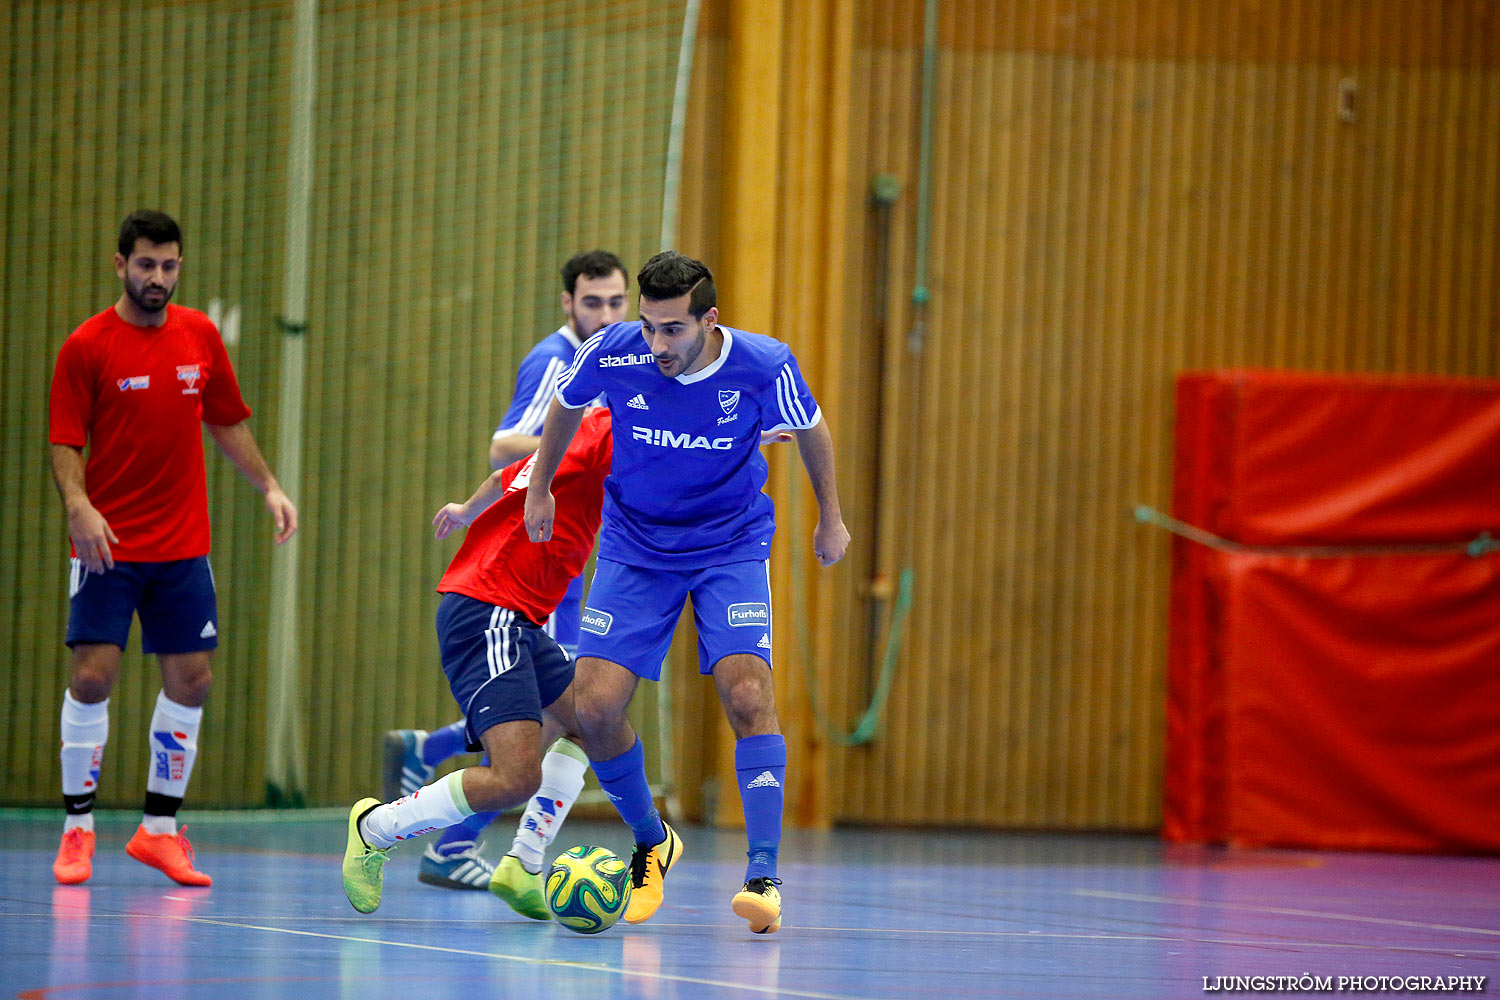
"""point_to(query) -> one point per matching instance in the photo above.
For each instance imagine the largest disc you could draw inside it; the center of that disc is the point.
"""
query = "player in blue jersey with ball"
(684, 514)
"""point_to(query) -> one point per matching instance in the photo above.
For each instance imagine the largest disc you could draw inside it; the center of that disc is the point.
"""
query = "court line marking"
(528, 960)
(1285, 911)
(841, 931)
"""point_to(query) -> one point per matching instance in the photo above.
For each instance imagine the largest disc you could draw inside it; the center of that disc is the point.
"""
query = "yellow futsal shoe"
(364, 866)
(648, 869)
(520, 889)
(760, 903)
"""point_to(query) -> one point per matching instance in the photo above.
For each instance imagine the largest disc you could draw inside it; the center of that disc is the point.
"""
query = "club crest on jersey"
(597, 622)
(134, 382)
(189, 374)
(728, 400)
(750, 614)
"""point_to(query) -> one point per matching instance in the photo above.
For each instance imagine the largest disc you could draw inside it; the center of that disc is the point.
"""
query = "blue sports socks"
(624, 779)
(760, 764)
(444, 743)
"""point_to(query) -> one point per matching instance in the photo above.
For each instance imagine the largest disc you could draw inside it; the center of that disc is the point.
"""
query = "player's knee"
(503, 786)
(91, 685)
(596, 719)
(191, 687)
(750, 708)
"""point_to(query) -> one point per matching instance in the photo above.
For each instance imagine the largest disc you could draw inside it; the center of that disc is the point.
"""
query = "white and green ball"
(587, 889)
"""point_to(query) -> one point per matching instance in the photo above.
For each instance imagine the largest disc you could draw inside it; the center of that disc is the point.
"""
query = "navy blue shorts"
(501, 666)
(179, 611)
(563, 624)
(632, 612)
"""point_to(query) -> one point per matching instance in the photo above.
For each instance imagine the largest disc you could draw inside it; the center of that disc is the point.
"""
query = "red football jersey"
(498, 564)
(136, 397)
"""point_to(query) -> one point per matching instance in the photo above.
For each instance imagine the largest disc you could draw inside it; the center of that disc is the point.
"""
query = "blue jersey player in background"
(685, 514)
(594, 296)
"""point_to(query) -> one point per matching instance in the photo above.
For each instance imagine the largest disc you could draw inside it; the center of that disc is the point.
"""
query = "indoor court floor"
(868, 914)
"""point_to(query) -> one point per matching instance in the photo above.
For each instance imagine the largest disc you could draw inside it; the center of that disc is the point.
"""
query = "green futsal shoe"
(520, 889)
(364, 866)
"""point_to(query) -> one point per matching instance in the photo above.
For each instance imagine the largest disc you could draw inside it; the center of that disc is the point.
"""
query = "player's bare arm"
(562, 423)
(460, 515)
(87, 528)
(238, 444)
(507, 448)
(830, 538)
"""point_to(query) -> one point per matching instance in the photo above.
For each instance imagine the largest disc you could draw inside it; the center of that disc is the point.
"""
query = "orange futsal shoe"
(75, 857)
(168, 852)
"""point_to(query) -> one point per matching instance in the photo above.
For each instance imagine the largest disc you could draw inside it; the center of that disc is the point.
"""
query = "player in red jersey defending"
(511, 679)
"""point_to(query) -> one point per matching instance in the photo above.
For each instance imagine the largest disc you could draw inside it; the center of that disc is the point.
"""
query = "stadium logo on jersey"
(189, 374)
(750, 614)
(671, 439)
(597, 622)
(728, 400)
(134, 382)
(623, 360)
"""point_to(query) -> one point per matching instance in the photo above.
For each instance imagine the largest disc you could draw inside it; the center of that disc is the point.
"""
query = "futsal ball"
(587, 889)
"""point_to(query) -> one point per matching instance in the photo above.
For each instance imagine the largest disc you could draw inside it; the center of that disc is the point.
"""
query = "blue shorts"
(179, 611)
(563, 623)
(501, 666)
(632, 612)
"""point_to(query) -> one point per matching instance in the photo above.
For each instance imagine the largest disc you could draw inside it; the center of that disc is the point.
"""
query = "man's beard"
(139, 298)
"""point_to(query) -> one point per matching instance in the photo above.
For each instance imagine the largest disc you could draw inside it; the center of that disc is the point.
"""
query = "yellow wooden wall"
(104, 114)
(1121, 191)
(1124, 191)
(463, 151)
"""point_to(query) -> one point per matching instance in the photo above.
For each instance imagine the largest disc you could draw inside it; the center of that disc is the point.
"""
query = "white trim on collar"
(572, 337)
(718, 362)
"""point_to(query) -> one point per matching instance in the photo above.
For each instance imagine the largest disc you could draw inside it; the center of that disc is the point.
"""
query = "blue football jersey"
(685, 487)
(536, 380)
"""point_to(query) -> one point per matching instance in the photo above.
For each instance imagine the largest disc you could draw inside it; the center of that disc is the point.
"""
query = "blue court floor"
(867, 915)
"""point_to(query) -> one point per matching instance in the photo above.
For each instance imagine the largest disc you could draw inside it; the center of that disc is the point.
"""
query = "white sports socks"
(431, 807)
(85, 730)
(563, 769)
(173, 742)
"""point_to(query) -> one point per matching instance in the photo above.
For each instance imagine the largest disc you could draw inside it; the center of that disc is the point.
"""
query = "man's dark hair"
(158, 227)
(671, 275)
(592, 264)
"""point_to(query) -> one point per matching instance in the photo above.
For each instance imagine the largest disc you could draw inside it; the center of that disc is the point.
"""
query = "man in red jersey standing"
(133, 384)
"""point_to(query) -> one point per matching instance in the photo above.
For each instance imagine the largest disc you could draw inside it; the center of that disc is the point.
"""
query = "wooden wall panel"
(102, 118)
(1122, 192)
(463, 152)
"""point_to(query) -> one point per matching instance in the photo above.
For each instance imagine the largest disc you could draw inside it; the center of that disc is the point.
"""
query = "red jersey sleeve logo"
(134, 382)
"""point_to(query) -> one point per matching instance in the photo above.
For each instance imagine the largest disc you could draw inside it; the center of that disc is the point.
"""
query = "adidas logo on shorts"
(208, 631)
(638, 402)
(765, 642)
(764, 780)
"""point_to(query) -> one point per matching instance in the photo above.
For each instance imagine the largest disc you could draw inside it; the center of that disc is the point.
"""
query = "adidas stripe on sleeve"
(580, 384)
(535, 385)
(788, 404)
